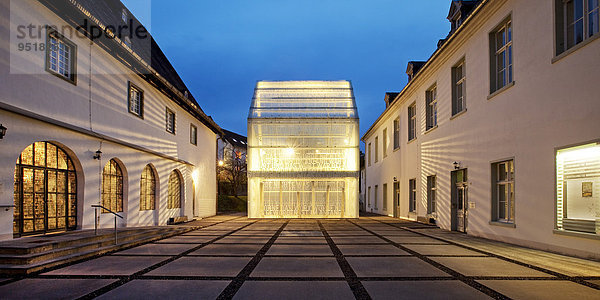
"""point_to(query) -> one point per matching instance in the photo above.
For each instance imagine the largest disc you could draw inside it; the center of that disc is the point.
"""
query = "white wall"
(551, 105)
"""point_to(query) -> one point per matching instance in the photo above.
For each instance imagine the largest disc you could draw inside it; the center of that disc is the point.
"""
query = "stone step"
(41, 261)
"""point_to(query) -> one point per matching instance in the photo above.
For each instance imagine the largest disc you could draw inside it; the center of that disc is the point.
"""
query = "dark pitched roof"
(235, 139)
(390, 97)
(145, 58)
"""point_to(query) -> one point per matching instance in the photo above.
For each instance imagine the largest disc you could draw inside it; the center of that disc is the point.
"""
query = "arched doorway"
(45, 191)
(175, 187)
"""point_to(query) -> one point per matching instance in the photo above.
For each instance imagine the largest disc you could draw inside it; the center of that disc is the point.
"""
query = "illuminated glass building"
(303, 150)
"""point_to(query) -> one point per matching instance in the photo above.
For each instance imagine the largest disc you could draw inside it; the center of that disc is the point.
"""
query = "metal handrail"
(96, 206)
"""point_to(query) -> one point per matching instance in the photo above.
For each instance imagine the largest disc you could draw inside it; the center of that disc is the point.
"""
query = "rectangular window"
(136, 100)
(578, 188)
(397, 133)
(412, 122)
(501, 63)
(385, 197)
(375, 197)
(170, 119)
(369, 154)
(376, 149)
(503, 191)
(412, 195)
(431, 193)
(385, 142)
(61, 55)
(193, 134)
(369, 197)
(431, 107)
(459, 103)
(576, 21)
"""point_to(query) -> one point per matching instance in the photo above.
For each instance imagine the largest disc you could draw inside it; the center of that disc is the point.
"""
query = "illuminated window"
(431, 194)
(576, 21)
(412, 195)
(193, 134)
(148, 189)
(376, 149)
(501, 64)
(503, 191)
(170, 120)
(459, 85)
(578, 188)
(61, 55)
(385, 196)
(397, 133)
(369, 197)
(112, 187)
(431, 105)
(375, 194)
(174, 200)
(412, 122)
(136, 100)
(385, 142)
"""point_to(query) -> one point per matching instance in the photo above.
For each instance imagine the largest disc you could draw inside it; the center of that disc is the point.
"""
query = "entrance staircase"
(34, 254)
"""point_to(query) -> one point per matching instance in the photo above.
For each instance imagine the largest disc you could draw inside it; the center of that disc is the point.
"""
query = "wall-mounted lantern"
(98, 155)
(2, 131)
(456, 165)
(395, 179)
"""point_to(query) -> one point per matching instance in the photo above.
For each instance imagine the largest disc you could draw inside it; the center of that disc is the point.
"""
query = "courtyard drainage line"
(467, 280)
(234, 286)
(138, 274)
(359, 291)
(39, 274)
(560, 276)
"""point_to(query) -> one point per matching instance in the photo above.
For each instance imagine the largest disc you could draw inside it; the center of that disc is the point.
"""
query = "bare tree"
(233, 171)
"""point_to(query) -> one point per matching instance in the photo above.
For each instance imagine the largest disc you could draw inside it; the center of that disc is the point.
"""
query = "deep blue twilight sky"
(221, 48)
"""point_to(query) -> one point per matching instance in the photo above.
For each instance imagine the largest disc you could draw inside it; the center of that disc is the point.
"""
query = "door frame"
(453, 200)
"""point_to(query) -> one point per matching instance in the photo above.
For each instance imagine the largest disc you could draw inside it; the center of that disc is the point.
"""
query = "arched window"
(112, 187)
(174, 190)
(45, 191)
(147, 189)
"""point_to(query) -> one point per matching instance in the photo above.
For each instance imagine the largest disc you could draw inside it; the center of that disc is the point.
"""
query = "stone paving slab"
(542, 289)
(357, 240)
(487, 266)
(442, 250)
(297, 267)
(307, 250)
(371, 250)
(181, 239)
(300, 240)
(295, 290)
(359, 232)
(415, 240)
(38, 288)
(244, 239)
(109, 265)
(301, 233)
(418, 290)
(393, 267)
(202, 266)
(226, 249)
(167, 289)
(157, 249)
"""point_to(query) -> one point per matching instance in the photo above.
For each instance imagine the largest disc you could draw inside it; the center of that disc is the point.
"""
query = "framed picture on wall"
(586, 189)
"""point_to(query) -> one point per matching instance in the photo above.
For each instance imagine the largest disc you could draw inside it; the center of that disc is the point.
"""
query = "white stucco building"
(497, 134)
(303, 150)
(95, 120)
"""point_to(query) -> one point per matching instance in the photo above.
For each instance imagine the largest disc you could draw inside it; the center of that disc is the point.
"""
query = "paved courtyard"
(372, 257)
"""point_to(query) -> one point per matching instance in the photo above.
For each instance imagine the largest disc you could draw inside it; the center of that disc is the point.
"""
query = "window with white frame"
(397, 133)
(431, 194)
(369, 153)
(369, 197)
(375, 197)
(376, 149)
(385, 196)
(431, 107)
(412, 122)
(61, 55)
(503, 191)
(412, 195)
(170, 120)
(193, 134)
(136, 100)
(501, 63)
(576, 21)
(385, 142)
(459, 103)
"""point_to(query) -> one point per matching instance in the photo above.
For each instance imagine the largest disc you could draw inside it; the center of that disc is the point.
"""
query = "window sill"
(139, 116)
(431, 129)
(409, 142)
(458, 114)
(501, 90)
(575, 48)
(396, 149)
(72, 81)
(503, 224)
(577, 234)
